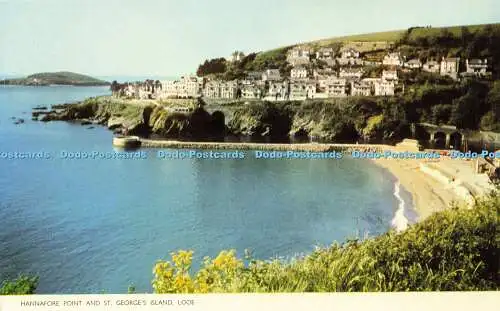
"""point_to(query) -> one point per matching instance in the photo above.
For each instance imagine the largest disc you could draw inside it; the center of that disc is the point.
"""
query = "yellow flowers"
(215, 275)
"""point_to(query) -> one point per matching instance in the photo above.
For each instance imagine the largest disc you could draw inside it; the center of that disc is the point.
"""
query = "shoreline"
(422, 178)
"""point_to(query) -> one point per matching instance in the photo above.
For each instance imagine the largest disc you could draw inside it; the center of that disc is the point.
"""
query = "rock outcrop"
(137, 118)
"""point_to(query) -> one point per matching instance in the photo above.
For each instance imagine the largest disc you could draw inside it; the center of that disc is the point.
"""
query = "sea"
(99, 224)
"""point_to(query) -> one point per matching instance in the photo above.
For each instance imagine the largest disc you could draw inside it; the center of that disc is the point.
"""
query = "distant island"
(56, 78)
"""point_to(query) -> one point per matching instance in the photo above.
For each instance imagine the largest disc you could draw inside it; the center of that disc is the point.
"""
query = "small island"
(56, 78)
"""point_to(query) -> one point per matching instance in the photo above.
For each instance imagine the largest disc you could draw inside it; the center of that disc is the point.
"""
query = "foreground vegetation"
(455, 250)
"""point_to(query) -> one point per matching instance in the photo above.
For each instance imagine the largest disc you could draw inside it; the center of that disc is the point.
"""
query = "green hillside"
(60, 78)
(396, 35)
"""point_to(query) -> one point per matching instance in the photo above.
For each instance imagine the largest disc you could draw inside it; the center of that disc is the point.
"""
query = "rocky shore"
(141, 118)
(194, 120)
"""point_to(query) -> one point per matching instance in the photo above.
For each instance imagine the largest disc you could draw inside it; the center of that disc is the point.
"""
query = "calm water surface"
(87, 226)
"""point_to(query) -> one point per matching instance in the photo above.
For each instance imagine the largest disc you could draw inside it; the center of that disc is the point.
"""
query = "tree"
(114, 87)
(212, 66)
(469, 109)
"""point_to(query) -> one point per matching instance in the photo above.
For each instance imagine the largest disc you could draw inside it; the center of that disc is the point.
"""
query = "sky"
(171, 37)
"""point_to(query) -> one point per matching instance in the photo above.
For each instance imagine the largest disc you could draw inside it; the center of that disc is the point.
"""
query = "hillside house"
(254, 75)
(477, 67)
(367, 62)
(271, 75)
(449, 67)
(390, 76)
(300, 90)
(336, 87)
(326, 55)
(131, 90)
(413, 64)
(323, 72)
(393, 59)
(229, 89)
(186, 87)
(324, 80)
(350, 73)
(349, 53)
(251, 91)
(349, 57)
(212, 89)
(431, 66)
(384, 88)
(361, 88)
(299, 72)
(278, 91)
(299, 55)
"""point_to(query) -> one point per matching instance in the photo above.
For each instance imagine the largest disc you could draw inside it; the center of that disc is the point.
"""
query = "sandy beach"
(455, 182)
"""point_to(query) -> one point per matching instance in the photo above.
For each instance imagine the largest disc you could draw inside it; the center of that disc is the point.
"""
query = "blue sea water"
(91, 226)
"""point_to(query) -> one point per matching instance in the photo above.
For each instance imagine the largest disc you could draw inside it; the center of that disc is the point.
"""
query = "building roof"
(477, 61)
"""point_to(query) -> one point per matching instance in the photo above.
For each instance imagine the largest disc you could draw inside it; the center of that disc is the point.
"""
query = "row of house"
(301, 55)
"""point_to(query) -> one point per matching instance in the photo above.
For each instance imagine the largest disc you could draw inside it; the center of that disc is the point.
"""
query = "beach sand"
(430, 194)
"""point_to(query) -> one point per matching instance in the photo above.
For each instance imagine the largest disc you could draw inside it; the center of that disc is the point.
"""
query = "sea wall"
(312, 147)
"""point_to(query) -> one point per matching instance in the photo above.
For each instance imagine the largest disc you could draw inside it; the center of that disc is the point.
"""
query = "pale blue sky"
(172, 37)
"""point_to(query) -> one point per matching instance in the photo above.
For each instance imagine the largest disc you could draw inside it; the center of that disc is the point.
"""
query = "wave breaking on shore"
(399, 222)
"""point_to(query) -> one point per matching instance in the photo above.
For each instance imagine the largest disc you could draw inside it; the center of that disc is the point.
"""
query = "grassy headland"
(56, 78)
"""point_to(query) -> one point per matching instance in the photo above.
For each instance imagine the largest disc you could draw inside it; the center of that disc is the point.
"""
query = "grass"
(381, 39)
(455, 30)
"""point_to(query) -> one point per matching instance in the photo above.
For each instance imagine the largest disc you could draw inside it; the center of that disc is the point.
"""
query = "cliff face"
(261, 119)
(336, 122)
(322, 121)
(136, 118)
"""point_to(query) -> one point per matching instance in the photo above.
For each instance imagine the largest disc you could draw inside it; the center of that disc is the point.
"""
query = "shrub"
(23, 285)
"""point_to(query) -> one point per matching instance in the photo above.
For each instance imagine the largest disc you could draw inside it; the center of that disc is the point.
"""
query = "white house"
(326, 55)
(323, 72)
(360, 88)
(390, 75)
(349, 73)
(277, 91)
(477, 67)
(186, 87)
(229, 89)
(393, 59)
(431, 66)
(300, 90)
(384, 88)
(251, 91)
(413, 64)
(349, 53)
(271, 75)
(299, 55)
(254, 75)
(299, 72)
(212, 89)
(336, 87)
(349, 56)
(449, 67)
